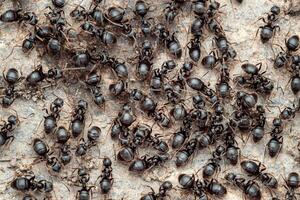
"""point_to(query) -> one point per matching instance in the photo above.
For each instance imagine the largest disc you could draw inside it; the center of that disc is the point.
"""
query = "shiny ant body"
(78, 118)
(42, 150)
(12, 77)
(27, 182)
(250, 188)
(163, 189)
(106, 179)
(146, 163)
(50, 121)
(170, 41)
(268, 30)
(201, 188)
(7, 128)
(254, 79)
(275, 143)
(256, 169)
(92, 137)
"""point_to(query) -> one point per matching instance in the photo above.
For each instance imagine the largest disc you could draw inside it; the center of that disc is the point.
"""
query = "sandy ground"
(239, 22)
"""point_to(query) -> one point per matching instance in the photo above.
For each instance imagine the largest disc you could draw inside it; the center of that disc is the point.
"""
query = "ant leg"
(11, 52)
(258, 30)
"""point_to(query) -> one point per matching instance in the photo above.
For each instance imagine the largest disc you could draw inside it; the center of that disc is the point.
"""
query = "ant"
(255, 80)
(145, 163)
(295, 79)
(258, 124)
(291, 184)
(286, 56)
(148, 105)
(144, 65)
(178, 112)
(232, 150)
(27, 182)
(254, 169)
(158, 144)
(245, 100)
(141, 10)
(78, 118)
(127, 153)
(65, 154)
(42, 149)
(171, 11)
(275, 143)
(223, 45)
(7, 128)
(268, 30)
(184, 154)
(12, 77)
(158, 76)
(80, 13)
(250, 188)
(198, 85)
(141, 133)
(169, 40)
(93, 135)
(92, 81)
(16, 16)
(200, 188)
(106, 176)
(180, 136)
(213, 165)
(83, 178)
(194, 47)
(223, 88)
(289, 113)
(126, 117)
(50, 121)
(163, 189)
(211, 60)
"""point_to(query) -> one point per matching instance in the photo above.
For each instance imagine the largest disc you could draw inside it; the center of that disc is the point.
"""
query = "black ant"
(291, 184)
(184, 154)
(106, 179)
(169, 40)
(159, 75)
(201, 188)
(27, 182)
(254, 79)
(213, 165)
(179, 137)
(258, 124)
(158, 143)
(145, 162)
(232, 150)
(83, 178)
(268, 30)
(17, 16)
(42, 149)
(50, 121)
(92, 137)
(78, 118)
(7, 128)
(222, 87)
(163, 188)
(275, 143)
(12, 77)
(171, 11)
(250, 188)
(256, 169)
(144, 65)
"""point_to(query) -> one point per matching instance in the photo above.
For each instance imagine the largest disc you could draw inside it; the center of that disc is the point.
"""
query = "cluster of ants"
(204, 125)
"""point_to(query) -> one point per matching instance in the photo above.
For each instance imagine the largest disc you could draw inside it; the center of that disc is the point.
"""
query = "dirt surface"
(240, 22)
